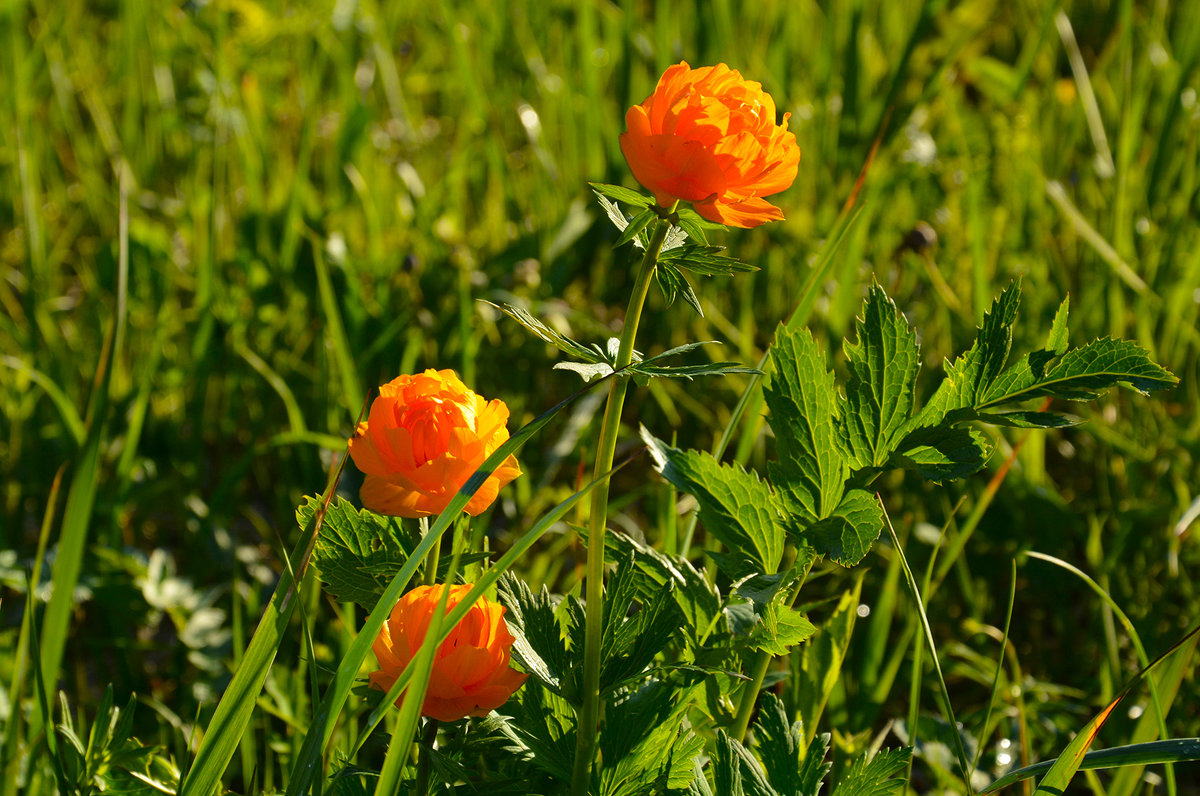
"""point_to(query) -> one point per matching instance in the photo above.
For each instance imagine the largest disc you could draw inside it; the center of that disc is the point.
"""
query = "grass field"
(223, 224)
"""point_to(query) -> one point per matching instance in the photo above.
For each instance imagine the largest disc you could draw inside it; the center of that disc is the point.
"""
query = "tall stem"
(424, 758)
(589, 713)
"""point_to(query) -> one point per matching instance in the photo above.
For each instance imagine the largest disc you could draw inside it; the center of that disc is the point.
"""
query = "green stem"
(589, 712)
(424, 760)
(431, 560)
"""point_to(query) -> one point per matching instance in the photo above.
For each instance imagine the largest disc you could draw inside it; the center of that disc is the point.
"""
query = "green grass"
(319, 195)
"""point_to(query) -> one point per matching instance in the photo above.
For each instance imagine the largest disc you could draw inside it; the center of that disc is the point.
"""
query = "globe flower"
(423, 438)
(471, 675)
(708, 136)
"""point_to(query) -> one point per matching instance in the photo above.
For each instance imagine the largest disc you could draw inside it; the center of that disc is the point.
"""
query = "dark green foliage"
(735, 505)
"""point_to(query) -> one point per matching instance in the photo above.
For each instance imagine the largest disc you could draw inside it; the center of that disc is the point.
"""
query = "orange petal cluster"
(708, 136)
(423, 438)
(471, 675)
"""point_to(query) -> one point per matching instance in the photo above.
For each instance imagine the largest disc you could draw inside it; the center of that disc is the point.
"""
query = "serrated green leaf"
(705, 260)
(815, 767)
(694, 594)
(846, 535)
(809, 477)
(944, 453)
(736, 771)
(645, 746)
(590, 354)
(1029, 419)
(621, 194)
(538, 643)
(874, 777)
(357, 553)
(1081, 374)
(674, 283)
(882, 366)
(779, 627)
(970, 376)
(780, 745)
(1058, 341)
(631, 640)
(735, 506)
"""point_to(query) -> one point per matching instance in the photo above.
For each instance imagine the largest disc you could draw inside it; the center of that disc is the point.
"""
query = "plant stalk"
(589, 713)
(424, 758)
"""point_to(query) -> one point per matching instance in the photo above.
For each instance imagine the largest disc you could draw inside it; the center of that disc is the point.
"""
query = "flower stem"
(589, 713)
(431, 560)
(424, 760)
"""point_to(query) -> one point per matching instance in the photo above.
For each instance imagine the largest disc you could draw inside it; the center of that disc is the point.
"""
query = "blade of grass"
(81, 496)
(352, 393)
(1102, 247)
(982, 732)
(915, 592)
(1143, 659)
(66, 410)
(12, 733)
(234, 711)
(1104, 159)
(1134, 756)
(1169, 680)
(1062, 769)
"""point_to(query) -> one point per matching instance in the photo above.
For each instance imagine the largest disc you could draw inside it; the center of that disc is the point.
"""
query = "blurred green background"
(313, 198)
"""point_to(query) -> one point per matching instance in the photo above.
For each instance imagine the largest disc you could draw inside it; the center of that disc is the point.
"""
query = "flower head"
(708, 136)
(471, 675)
(424, 437)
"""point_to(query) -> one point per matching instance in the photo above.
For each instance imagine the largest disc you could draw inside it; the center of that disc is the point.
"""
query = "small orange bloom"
(471, 675)
(708, 136)
(424, 437)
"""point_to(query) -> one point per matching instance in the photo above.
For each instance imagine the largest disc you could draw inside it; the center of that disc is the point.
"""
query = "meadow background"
(271, 208)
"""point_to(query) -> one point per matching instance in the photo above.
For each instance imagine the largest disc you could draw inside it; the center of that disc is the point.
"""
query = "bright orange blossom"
(708, 136)
(424, 437)
(471, 675)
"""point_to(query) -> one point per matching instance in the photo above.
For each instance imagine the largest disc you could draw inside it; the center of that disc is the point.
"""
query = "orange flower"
(471, 675)
(424, 437)
(709, 137)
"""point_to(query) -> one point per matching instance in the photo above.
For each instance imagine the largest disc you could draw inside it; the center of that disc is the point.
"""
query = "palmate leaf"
(674, 284)
(875, 777)
(791, 769)
(357, 553)
(973, 373)
(694, 594)
(632, 638)
(538, 644)
(847, 534)
(704, 260)
(944, 452)
(645, 747)
(591, 354)
(735, 506)
(810, 475)
(776, 627)
(882, 366)
(1081, 374)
